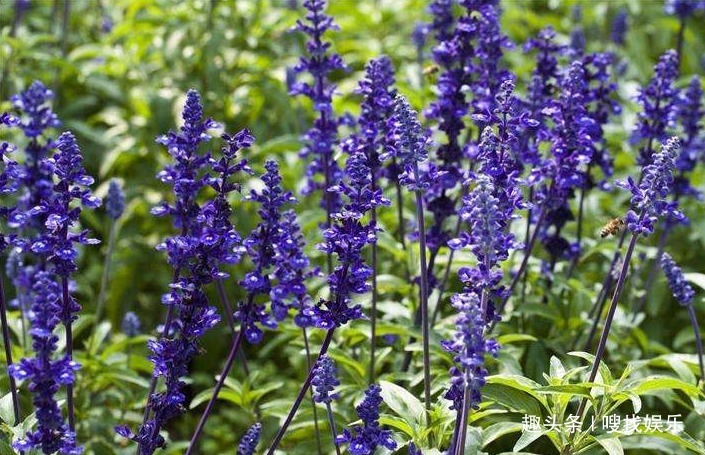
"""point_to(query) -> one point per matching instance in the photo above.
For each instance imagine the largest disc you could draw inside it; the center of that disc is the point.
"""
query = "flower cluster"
(47, 234)
(261, 247)
(443, 19)
(408, 142)
(601, 87)
(542, 86)
(130, 324)
(680, 288)
(488, 236)
(37, 113)
(376, 108)
(620, 25)
(683, 8)
(46, 372)
(10, 175)
(249, 441)
(115, 200)
(365, 439)
(469, 347)
(325, 380)
(658, 100)
(207, 240)
(346, 239)
(487, 75)
(291, 271)
(649, 198)
(572, 147)
(320, 139)
(690, 113)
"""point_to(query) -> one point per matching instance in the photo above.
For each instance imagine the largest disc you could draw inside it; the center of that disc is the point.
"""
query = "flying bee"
(430, 69)
(612, 227)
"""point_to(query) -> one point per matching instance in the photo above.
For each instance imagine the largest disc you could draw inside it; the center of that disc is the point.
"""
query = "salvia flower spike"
(364, 439)
(249, 441)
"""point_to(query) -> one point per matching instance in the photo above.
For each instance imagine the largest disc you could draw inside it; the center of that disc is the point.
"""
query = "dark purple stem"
(608, 321)
(8, 351)
(313, 403)
(228, 310)
(424, 299)
(333, 431)
(698, 340)
(300, 396)
(219, 385)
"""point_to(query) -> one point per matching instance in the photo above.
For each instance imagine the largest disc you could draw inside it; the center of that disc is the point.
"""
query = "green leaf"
(611, 444)
(397, 423)
(514, 338)
(226, 395)
(497, 430)
(682, 439)
(654, 383)
(566, 389)
(7, 413)
(557, 369)
(526, 438)
(403, 403)
(514, 399)
(607, 378)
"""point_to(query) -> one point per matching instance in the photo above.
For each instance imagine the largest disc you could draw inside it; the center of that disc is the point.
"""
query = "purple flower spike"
(680, 288)
(409, 143)
(34, 103)
(325, 380)
(46, 372)
(206, 241)
(683, 8)
(619, 27)
(365, 439)
(346, 238)
(649, 198)
(262, 247)
(319, 63)
(658, 100)
(249, 441)
(115, 201)
(130, 325)
(470, 347)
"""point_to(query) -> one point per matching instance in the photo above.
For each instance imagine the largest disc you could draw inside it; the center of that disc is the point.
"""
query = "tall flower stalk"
(559, 175)
(649, 203)
(52, 304)
(324, 382)
(206, 241)
(114, 206)
(409, 144)
(376, 108)
(365, 439)
(346, 239)
(689, 114)
(658, 100)
(261, 246)
(320, 139)
(684, 294)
